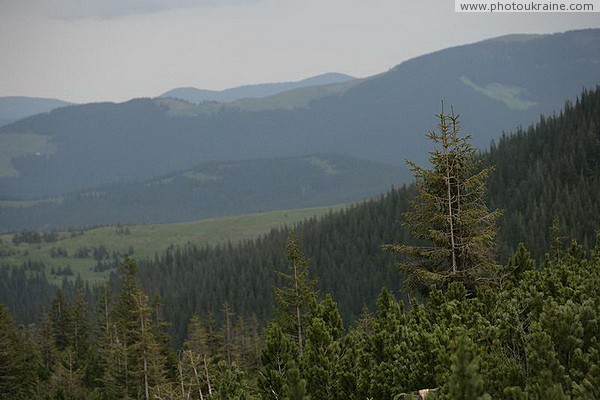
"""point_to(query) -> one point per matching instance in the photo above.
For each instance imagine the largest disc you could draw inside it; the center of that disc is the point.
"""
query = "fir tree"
(450, 213)
(298, 299)
(60, 315)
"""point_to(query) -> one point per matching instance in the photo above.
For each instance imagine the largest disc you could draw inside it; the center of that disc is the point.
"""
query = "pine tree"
(277, 353)
(320, 360)
(546, 374)
(133, 365)
(450, 213)
(322, 352)
(163, 339)
(465, 382)
(296, 387)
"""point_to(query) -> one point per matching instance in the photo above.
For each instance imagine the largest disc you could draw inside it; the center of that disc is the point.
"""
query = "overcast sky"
(115, 50)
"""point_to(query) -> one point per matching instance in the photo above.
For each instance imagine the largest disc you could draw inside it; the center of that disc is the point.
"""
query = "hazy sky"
(99, 50)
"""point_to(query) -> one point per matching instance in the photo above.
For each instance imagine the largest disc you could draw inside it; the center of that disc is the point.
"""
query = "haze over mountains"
(211, 190)
(13, 108)
(197, 96)
(498, 84)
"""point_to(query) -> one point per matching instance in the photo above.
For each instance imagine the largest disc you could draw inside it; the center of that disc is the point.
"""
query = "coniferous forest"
(495, 296)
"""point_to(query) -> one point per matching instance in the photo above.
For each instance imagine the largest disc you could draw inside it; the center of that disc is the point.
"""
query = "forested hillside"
(211, 190)
(519, 329)
(551, 170)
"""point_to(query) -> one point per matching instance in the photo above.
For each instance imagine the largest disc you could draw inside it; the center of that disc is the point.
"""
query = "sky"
(115, 50)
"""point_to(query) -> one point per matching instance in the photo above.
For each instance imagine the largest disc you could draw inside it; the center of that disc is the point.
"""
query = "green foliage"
(61, 320)
(229, 383)
(276, 355)
(449, 213)
(465, 381)
(17, 360)
(296, 301)
(296, 387)
(322, 353)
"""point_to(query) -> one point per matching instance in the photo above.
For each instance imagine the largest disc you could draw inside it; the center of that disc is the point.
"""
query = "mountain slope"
(197, 96)
(550, 170)
(498, 83)
(211, 190)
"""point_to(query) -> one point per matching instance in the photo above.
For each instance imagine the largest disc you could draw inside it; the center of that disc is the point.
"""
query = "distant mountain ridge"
(196, 96)
(13, 108)
(211, 190)
(496, 85)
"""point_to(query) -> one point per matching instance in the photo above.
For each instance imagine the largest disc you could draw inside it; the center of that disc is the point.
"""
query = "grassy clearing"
(146, 240)
(509, 95)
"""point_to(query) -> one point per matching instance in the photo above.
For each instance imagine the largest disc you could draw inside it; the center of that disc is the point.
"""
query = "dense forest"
(250, 321)
(529, 333)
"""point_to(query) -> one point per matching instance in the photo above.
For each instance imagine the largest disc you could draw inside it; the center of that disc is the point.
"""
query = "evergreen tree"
(322, 351)
(546, 374)
(229, 383)
(320, 360)
(60, 316)
(296, 387)
(147, 361)
(67, 381)
(163, 339)
(17, 367)
(47, 345)
(450, 213)
(79, 339)
(298, 299)
(464, 382)
(277, 353)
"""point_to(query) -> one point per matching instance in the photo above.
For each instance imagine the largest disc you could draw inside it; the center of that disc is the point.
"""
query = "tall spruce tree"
(298, 299)
(449, 213)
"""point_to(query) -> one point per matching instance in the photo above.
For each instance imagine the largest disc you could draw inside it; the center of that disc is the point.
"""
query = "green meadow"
(144, 241)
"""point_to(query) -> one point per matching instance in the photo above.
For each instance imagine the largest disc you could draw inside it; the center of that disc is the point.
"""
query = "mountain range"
(498, 84)
(13, 108)
(197, 96)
